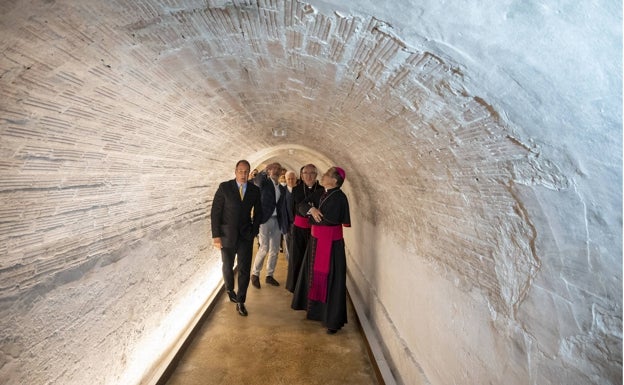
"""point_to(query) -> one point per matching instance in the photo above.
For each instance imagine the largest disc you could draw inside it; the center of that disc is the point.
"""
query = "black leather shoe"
(255, 281)
(240, 308)
(331, 331)
(232, 295)
(271, 281)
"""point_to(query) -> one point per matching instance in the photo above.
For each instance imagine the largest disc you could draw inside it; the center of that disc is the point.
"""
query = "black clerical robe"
(300, 232)
(329, 304)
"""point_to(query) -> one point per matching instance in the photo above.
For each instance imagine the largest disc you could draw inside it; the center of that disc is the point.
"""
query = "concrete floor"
(273, 345)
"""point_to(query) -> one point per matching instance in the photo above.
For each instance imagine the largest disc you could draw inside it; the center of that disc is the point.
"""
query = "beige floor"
(273, 345)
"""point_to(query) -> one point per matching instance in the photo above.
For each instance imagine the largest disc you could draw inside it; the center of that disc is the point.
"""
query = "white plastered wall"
(482, 146)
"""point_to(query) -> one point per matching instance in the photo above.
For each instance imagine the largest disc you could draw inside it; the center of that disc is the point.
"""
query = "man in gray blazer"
(235, 222)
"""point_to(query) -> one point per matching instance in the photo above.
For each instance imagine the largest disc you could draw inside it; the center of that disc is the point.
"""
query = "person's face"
(328, 180)
(308, 176)
(291, 180)
(273, 171)
(242, 173)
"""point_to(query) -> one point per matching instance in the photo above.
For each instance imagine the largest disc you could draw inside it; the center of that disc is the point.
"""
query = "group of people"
(308, 215)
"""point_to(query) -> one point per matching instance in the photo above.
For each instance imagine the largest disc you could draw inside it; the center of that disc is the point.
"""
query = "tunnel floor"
(273, 345)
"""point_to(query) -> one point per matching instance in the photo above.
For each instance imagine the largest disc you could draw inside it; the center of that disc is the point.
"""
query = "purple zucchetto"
(340, 172)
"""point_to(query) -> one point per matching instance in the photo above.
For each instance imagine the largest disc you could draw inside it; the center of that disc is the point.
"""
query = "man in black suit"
(287, 213)
(235, 221)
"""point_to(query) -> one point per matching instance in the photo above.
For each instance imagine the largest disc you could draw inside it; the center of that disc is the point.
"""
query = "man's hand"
(217, 243)
(316, 214)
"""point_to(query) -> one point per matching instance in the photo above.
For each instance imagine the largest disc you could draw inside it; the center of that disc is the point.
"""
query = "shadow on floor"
(273, 345)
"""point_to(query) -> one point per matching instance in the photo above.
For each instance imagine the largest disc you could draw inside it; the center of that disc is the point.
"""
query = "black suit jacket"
(232, 218)
(286, 216)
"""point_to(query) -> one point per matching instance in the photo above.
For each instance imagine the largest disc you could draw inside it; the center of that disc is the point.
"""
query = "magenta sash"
(325, 236)
(302, 222)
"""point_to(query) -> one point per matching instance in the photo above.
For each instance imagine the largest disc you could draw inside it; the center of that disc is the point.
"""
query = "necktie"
(240, 191)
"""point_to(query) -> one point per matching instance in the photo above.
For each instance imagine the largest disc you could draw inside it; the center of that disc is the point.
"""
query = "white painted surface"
(482, 145)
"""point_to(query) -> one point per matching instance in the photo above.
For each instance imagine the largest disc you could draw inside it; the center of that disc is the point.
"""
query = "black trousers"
(298, 244)
(242, 253)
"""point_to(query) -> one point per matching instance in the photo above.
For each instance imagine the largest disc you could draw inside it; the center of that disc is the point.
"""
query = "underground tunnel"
(483, 144)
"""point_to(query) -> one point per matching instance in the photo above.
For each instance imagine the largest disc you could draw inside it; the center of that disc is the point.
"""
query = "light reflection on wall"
(151, 356)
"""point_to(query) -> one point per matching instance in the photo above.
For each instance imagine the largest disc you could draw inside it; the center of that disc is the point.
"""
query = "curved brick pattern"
(481, 147)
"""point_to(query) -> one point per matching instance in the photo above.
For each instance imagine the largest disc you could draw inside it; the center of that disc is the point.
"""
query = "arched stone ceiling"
(209, 84)
(476, 130)
(215, 82)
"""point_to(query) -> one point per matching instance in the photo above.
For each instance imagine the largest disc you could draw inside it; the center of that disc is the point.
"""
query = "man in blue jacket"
(271, 196)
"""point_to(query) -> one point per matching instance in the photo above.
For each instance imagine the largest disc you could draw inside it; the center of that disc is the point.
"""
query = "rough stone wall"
(484, 250)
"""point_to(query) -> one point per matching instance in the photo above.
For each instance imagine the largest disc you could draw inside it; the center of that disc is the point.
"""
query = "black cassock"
(300, 235)
(333, 311)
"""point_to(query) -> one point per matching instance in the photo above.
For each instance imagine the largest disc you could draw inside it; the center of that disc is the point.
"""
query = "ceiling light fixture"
(279, 132)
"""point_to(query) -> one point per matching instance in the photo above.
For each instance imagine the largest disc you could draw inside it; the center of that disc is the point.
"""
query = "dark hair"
(338, 177)
(244, 162)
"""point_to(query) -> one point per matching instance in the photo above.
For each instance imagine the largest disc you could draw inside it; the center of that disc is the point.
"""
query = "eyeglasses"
(308, 173)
